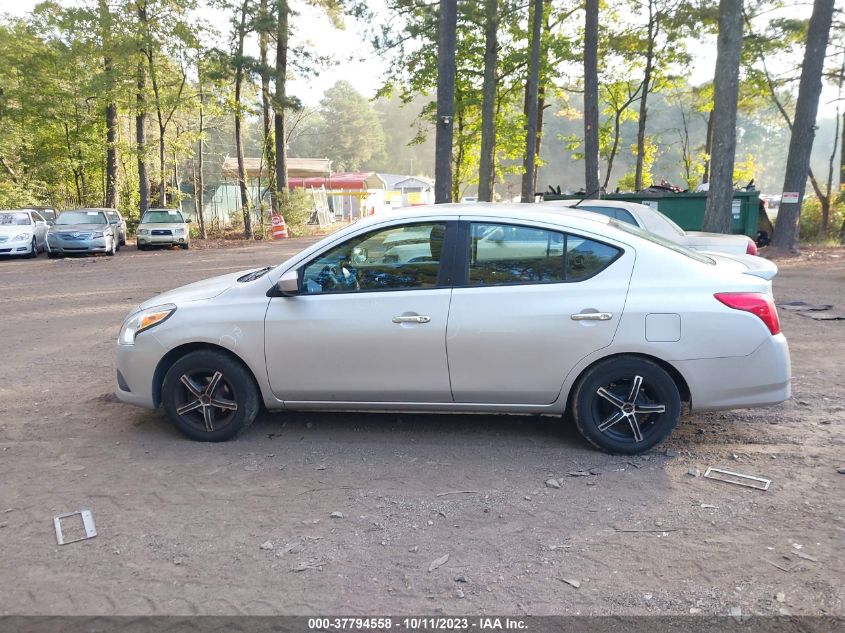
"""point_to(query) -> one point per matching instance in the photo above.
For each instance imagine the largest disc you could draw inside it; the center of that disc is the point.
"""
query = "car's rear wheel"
(209, 396)
(626, 405)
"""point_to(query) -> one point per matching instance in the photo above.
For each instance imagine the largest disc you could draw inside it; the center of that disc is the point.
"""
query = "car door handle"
(411, 319)
(592, 316)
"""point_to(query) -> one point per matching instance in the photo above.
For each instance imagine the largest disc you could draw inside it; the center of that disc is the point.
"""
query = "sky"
(356, 61)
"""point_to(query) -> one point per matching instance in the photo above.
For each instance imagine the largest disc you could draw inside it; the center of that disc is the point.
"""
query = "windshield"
(15, 219)
(82, 217)
(657, 239)
(168, 216)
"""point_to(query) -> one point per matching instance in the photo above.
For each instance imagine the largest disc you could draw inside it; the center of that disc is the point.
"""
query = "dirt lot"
(181, 524)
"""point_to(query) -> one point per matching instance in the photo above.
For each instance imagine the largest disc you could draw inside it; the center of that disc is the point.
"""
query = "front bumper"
(16, 248)
(760, 379)
(136, 365)
(162, 240)
(57, 244)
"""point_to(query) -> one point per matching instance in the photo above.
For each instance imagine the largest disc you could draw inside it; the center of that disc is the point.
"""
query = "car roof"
(103, 209)
(613, 204)
(163, 209)
(504, 210)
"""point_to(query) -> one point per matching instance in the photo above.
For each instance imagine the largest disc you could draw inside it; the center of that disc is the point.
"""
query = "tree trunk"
(267, 144)
(111, 189)
(717, 215)
(532, 92)
(246, 206)
(591, 100)
(487, 160)
(541, 106)
(708, 148)
(141, 138)
(649, 68)
(281, 99)
(803, 124)
(445, 101)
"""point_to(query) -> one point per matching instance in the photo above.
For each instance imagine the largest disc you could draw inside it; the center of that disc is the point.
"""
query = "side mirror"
(50, 222)
(188, 221)
(288, 284)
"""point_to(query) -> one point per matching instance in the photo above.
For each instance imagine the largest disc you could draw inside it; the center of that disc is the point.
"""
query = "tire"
(185, 247)
(602, 398)
(140, 247)
(111, 252)
(208, 423)
(34, 252)
(53, 255)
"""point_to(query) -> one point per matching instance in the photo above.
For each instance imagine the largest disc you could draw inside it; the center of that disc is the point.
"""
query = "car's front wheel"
(33, 253)
(626, 405)
(113, 250)
(210, 396)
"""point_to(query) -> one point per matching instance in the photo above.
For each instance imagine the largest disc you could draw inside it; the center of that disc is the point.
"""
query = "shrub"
(296, 206)
(811, 219)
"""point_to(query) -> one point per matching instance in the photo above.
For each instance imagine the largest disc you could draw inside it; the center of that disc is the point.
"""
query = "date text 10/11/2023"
(416, 623)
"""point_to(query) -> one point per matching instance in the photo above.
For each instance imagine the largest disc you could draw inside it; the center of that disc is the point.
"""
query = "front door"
(531, 304)
(369, 324)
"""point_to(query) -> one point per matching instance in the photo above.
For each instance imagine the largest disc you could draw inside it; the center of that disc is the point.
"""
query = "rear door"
(529, 303)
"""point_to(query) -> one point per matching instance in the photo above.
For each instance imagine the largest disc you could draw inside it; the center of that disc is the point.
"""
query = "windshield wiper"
(255, 274)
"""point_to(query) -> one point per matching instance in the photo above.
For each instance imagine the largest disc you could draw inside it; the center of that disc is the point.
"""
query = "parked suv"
(163, 227)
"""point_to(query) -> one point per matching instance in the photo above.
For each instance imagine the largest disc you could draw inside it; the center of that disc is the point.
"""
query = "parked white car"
(650, 219)
(502, 308)
(22, 232)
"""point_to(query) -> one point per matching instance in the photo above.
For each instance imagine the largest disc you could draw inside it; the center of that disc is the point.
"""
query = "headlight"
(97, 234)
(180, 231)
(20, 237)
(143, 231)
(143, 320)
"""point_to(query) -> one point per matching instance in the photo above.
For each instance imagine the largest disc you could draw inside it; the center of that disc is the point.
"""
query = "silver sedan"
(651, 219)
(82, 231)
(494, 308)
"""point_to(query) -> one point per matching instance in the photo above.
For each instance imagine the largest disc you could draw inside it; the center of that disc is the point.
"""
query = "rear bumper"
(760, 379)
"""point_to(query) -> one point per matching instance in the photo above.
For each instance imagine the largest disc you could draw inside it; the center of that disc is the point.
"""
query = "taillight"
(756, 303)
(751, 249)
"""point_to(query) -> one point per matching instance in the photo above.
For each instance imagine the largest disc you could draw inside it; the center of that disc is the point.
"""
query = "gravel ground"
(247, 527)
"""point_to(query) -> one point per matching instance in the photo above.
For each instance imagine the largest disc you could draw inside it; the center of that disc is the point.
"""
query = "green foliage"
(810, 223)
(296, 206)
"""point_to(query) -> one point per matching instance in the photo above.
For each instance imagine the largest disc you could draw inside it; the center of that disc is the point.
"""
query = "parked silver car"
(22, 232)
(163, 227)
(502, 308)
(650, 219)
(82, 231)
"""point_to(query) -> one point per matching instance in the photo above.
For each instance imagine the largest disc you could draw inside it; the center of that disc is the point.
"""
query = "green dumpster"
(687, 209)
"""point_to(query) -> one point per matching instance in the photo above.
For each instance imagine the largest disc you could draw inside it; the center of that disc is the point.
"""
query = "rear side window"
(505, 254)
(613, 212)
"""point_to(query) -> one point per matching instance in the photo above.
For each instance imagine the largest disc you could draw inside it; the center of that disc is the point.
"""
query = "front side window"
(396, 258)
(504, 254)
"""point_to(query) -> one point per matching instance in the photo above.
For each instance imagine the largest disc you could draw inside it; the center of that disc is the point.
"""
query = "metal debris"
(738, 479)
(439, 562)
(571, 581)
(87, 523)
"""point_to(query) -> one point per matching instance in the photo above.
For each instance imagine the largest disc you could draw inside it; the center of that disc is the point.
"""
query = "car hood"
(69, 228)
(747, 264)
(718, 242)
(197, 291)
(162, 225)
(15, 229)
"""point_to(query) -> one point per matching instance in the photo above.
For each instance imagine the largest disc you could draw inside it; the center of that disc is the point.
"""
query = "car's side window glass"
(606, 211)
(403, 257)
(509, 254)
(585, 258)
